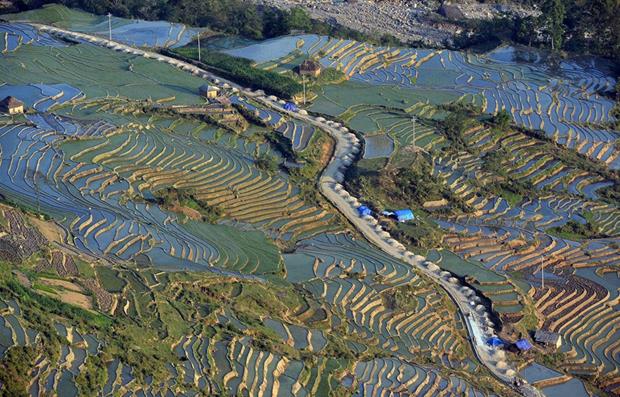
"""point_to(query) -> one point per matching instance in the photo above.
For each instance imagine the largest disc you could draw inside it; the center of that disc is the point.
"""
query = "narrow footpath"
(346, 148)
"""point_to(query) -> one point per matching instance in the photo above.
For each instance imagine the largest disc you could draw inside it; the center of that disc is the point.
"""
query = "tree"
(253, 26)
(527, 30)
(502, 119)
(267, 163)
(553, 14)
(298, 19)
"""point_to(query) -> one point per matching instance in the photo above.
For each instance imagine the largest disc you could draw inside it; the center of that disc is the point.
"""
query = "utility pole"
(542, 270)
(110, 26)
(413, 132)
(303, 79)
(199, 57)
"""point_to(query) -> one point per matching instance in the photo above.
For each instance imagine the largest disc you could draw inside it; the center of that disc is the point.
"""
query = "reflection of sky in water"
(610, 281)
(556, 100)
(572, 388)
(536, 372)
(272, 49)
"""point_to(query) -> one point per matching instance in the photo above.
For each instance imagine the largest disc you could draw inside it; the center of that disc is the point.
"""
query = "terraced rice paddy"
(504, 296)
(298, 133)
(332, 315)
(502, 236)
(351, 277)
(564, 104)
(134, 32)
(13, 36)
(389, 376)
(99, 72)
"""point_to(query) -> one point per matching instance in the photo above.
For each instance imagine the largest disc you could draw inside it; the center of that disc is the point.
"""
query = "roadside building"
(11, 105)
(209, 91)
(548, 338)
(363, 210)
(310, 68)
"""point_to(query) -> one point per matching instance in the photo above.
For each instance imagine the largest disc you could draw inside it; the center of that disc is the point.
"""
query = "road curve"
(346, 148)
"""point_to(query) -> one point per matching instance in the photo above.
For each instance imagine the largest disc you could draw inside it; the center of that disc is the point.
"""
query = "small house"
(209, 91)
(11, 105)
(404, 215)
(310, 68)
(548, 338)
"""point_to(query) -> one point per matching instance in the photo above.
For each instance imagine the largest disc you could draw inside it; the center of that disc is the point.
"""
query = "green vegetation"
(267, 163)
(584, 27)
(420, 235)
(172, 197)
(228, 16)
(330, 76)
(573, 230)
(243, 72)
(502, 119)
(15, 369)
(109, 279)
(410, 185)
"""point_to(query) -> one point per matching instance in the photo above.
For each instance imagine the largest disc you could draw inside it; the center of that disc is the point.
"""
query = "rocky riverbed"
(407, 20)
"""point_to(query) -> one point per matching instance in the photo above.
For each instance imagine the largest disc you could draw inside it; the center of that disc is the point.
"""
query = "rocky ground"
(408, 20)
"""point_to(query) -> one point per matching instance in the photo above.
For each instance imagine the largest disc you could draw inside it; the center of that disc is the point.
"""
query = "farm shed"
(310, 68)
(11, 105)
(548, 338)
(404, 215)
(363, 210)
(209, 91)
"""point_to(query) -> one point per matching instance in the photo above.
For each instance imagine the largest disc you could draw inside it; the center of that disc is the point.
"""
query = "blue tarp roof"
(290, 106)
(404, 215)
(495, 341)
(364, 210)
(523, 344)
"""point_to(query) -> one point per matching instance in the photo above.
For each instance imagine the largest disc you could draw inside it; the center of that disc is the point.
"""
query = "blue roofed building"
(404, 215)
(290, 107)
(495, 341)
(363, 210)
(523, 345)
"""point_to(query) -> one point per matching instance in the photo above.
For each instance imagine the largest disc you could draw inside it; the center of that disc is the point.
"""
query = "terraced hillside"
(507, 200)
(134, 32)
(568, 105)
(147, 248)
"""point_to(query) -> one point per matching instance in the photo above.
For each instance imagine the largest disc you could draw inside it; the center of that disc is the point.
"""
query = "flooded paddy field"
(333, 311)
(499, 242)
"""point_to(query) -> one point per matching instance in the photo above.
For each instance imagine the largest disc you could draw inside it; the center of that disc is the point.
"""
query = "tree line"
(236, 17)
(581, 26)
